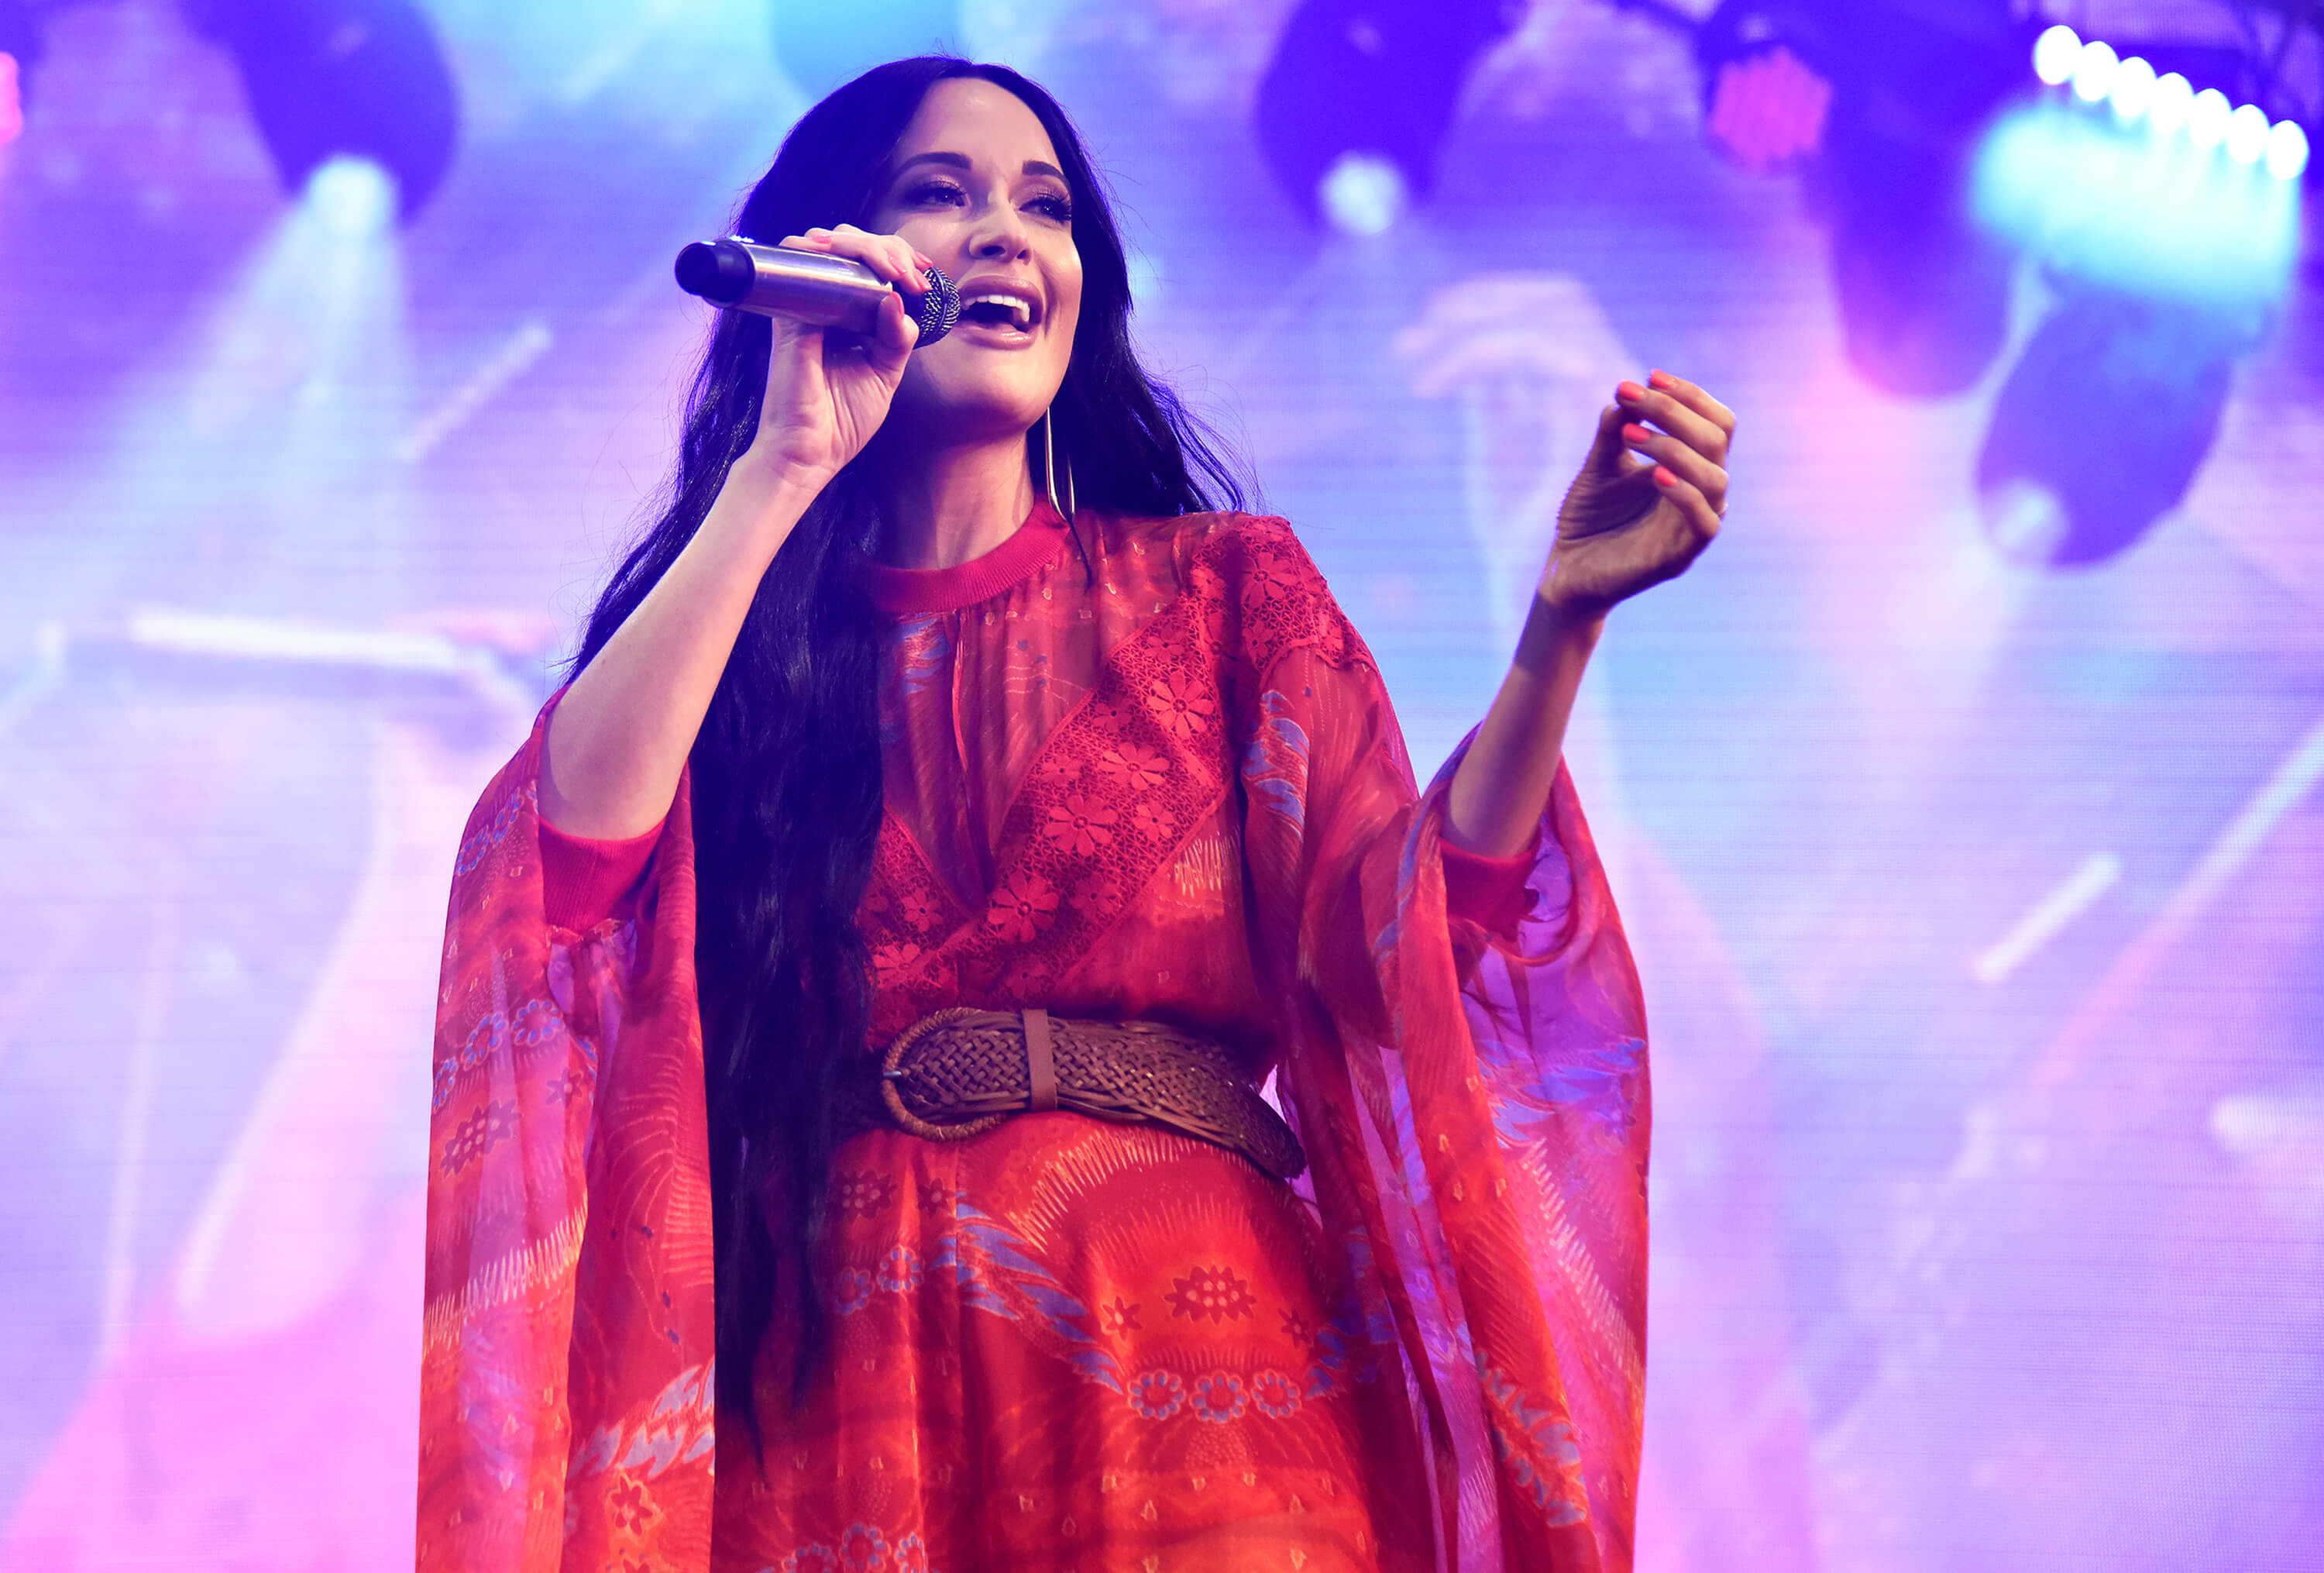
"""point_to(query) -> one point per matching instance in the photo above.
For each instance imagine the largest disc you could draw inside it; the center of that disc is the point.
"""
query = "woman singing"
(871, 994)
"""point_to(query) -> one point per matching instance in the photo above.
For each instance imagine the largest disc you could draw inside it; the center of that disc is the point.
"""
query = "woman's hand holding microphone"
(623, 730)
(828, 393)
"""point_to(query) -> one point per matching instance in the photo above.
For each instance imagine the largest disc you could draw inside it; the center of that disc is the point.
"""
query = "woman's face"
(975, 185)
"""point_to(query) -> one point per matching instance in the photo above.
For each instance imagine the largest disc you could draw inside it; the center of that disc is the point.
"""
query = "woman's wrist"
(766, 495)
(1554, 635)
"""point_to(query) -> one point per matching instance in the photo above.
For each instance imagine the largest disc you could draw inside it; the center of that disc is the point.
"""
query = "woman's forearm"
(623, 730)
(1499, 793)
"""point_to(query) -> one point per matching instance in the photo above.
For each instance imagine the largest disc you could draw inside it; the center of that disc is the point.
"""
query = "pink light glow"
(1768, 109)
(11, 100)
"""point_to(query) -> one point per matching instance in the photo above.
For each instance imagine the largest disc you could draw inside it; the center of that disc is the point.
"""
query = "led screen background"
(1980, 906)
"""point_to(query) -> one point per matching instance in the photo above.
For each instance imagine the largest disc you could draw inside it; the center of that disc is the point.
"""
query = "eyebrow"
(960, 161)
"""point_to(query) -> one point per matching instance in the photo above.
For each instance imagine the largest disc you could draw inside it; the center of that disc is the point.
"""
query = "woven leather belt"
(957, 1073)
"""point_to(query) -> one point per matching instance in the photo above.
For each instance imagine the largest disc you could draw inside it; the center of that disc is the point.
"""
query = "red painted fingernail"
(1630, 390)
(1637, 434)
(1662, 379)
(1663, 477)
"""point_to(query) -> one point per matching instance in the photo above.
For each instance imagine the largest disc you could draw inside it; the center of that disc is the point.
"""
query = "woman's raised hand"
(827, 391)
(1648, 501)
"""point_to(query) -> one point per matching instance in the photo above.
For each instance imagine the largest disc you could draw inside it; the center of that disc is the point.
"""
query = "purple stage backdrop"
(1962, 804)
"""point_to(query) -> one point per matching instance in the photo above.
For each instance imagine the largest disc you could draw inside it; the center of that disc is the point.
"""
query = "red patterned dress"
(1161, 783)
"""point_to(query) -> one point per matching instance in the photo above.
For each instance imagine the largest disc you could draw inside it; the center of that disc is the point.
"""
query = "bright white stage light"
(2287, 150)
(2134, 88)
(2247, 135)
(2207, 118)
(2099, 75)
(1361, 193)
(2094, 71)
(2174, 100)
(353, 197)
(2055, 53)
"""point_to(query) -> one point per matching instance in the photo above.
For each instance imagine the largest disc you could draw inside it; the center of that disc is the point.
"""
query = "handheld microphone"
(832, 292)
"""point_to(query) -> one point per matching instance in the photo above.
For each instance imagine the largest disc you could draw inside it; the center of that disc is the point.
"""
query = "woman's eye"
(1057, 209)
(936, 191)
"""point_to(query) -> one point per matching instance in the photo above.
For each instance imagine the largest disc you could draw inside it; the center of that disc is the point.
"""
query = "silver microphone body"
(807, 286)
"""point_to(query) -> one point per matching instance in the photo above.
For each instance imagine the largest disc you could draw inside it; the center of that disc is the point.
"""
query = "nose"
(1002, 234)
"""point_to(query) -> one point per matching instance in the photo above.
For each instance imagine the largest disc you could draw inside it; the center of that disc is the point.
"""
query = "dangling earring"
(1049, 467)
(1066, 510)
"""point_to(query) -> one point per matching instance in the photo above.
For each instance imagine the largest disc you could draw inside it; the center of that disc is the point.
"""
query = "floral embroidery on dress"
(1180, 707)
(890, 963)
(863, 1549)
(495, 830)
(899, 1270)
(478, 1134)
(1095, 893)
(1153, 820)
(1156, 1394)
(1267, 581)
(1128, 764)
(862, 1193)
(851, 1291)
(535, 1025)
(1023, 906)
(629, 1506)
(1275, 1393)
(1218, 1397)
(1080, 825)
(1215, 1292)
(486, 1039)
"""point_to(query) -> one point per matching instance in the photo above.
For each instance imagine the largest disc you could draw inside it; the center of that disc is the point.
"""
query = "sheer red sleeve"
(1470, 1080)
(567, 1093)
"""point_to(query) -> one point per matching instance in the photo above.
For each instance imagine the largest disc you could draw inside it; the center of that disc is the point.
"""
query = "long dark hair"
(786, 770)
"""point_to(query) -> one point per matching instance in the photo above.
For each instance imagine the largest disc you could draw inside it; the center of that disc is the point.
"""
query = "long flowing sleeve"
(565, 1381)
(1474, 1102)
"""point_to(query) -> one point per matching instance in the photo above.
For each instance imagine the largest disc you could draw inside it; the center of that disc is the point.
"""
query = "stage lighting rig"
(2165, 218)
(2155, 185)
(1356, 102)
(332, 78)
(1877, 104)
(2103, 423)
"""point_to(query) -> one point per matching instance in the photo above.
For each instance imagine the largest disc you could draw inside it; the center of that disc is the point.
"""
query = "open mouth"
(1003, 308)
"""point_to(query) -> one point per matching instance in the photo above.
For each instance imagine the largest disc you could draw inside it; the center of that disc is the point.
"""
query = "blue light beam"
(2130, 209)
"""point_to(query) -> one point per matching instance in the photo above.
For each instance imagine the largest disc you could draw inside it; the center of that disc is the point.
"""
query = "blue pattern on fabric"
(1276, 760)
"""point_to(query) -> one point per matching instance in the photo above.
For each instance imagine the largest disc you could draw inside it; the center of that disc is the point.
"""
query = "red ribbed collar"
(917, 590)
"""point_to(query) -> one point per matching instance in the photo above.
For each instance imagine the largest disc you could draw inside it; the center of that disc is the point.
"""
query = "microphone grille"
(939, 308)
